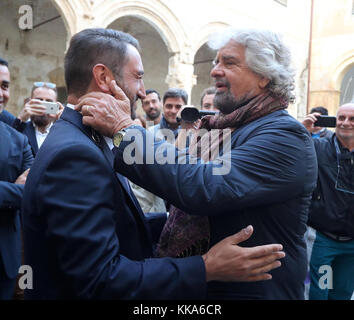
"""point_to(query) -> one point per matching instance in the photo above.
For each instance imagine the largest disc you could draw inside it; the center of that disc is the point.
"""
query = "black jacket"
(332, 210)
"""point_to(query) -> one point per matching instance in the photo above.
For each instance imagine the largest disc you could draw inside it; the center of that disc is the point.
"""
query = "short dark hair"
(90, 47)
(149, 91)
(3, 62)
(322, 110)
(176, 93)
(210, 90)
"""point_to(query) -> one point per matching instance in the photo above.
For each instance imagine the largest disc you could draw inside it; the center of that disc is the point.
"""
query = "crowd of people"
(244, 203)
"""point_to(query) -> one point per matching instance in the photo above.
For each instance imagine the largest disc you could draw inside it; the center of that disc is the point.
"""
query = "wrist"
(23, 117)
(122, 125)
(208, 272)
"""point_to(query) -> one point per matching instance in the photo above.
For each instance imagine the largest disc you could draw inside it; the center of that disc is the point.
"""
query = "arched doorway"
(154, 52)
(36, 54)
(347, 87)
(203, 63)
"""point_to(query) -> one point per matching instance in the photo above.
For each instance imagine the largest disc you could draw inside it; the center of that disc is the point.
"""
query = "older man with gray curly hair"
(273, 167)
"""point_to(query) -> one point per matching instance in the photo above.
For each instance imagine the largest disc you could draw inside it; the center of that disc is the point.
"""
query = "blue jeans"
(340, 257)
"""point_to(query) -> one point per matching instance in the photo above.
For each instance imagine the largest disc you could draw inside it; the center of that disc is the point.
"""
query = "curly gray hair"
(266, 55)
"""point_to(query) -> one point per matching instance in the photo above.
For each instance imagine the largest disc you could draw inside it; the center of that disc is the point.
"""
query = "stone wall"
(33, 55)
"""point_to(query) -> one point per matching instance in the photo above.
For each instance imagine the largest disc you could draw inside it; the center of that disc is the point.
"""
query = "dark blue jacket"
(273, 174)
(85, 235)
(28, 129)
(332, 210)
(7, 117)
(25, 128)
(15, 158)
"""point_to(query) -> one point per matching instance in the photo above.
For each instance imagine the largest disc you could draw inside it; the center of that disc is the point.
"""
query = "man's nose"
(175, 110)
(141, 92)
(217, 72)
(346, 122)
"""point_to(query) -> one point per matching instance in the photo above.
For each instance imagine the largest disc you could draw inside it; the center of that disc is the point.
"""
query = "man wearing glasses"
(41, 121)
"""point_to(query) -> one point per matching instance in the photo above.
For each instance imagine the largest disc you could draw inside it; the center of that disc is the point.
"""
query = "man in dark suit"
(15, 159)
(40, 122)
(85, 234)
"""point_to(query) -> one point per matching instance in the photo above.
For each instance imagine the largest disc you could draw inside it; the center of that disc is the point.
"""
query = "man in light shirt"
(40, 122)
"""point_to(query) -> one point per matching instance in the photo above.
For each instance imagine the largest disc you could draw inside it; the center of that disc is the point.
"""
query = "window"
(283, 2)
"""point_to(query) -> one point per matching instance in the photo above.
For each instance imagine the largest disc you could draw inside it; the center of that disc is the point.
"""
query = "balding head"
(345, 124)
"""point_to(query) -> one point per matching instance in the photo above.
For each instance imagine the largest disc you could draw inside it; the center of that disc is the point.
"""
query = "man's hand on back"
(226, 261)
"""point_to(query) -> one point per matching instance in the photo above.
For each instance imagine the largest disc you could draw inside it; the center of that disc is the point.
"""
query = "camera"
(192, 114)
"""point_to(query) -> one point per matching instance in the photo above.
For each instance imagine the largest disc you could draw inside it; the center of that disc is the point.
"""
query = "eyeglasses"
(49, 85)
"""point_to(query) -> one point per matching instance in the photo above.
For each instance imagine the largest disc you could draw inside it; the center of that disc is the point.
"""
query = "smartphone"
(326, 122)
(51, 107)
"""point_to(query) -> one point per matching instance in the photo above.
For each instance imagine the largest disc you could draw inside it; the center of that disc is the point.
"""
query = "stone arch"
(68, 11)
(202, 35)
(152, 11)
(340, 69)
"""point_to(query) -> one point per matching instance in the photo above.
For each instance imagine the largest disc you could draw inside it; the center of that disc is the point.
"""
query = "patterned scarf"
(186, 235)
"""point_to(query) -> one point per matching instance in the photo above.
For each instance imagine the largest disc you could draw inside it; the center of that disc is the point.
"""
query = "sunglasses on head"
(45, 84)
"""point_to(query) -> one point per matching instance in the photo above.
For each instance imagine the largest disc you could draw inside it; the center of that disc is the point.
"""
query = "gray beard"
(226, 102)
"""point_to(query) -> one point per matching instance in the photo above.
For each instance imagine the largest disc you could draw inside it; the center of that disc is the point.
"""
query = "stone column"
(181, 73)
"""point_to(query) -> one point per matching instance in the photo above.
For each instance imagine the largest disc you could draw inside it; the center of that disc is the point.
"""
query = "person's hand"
(32, 108)
(21, 179)
(61, 109)
(138, 122)
(226, 261)
(309, 121)
(106, 113)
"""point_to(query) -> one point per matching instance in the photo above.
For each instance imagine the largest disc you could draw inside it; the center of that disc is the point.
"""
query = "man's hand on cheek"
(106, 113)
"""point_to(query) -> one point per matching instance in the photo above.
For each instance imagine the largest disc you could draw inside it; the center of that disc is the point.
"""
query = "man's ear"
(263, 83)
(102, 77)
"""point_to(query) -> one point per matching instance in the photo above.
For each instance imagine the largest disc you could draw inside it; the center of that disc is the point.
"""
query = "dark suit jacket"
(7, 117)
(28, 130)
(25, 128)
(15, 158)
(85, 235)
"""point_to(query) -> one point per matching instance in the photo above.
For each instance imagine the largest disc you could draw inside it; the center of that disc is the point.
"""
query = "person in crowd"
(319, 132)
(331, 216)
(15, 160)
(265, 175)
(172, 101)
(85, 234)
(207, 99)
(152, 106)
(40, 122)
